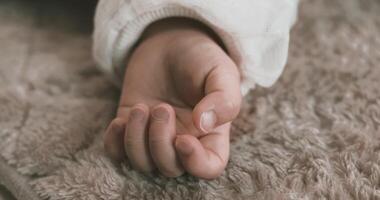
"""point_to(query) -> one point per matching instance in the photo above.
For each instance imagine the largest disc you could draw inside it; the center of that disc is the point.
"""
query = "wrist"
(177, 35)
(174, 30)
(177, 27)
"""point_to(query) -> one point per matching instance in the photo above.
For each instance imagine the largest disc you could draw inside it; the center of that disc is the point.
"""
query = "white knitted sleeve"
(255, 32)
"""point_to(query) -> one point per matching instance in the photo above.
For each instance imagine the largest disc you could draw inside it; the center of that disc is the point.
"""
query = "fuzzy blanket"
(314, 135)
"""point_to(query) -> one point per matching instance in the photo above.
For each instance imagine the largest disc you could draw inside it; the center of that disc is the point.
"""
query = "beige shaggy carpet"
(314, 135)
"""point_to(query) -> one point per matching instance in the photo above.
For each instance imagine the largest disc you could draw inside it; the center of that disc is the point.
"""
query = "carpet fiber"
(314, 135)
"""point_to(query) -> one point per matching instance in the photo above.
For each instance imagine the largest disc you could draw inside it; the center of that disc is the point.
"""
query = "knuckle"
(141, 106)
(233, 105)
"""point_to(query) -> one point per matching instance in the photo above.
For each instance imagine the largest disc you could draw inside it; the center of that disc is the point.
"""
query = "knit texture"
(314, 135)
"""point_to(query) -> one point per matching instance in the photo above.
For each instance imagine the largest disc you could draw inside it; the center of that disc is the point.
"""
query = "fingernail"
(137, 114)
(208, 121)
(117, 128)
(160, 113)
(183, 147)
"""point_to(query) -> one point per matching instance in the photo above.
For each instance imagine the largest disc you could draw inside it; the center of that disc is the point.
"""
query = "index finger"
(206, 157)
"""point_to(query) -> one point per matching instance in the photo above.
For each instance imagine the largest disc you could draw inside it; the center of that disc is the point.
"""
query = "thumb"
(222, 100)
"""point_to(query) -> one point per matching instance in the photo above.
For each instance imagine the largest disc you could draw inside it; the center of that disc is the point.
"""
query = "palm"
(152, 82)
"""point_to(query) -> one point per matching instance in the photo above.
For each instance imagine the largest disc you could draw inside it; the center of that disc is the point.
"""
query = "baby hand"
(180, 93)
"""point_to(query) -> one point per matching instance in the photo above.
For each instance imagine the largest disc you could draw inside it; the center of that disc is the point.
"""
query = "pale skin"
(181, 92)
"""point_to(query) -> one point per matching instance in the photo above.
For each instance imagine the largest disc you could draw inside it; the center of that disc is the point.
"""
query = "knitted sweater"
(255, 32)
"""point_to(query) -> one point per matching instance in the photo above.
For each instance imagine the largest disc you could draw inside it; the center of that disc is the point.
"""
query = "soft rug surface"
(314, 135)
